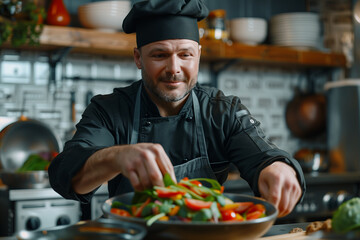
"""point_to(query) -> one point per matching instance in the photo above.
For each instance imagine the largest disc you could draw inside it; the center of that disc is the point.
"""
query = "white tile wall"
(24, 83)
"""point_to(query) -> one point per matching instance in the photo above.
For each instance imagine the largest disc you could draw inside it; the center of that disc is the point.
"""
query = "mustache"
(171, 77)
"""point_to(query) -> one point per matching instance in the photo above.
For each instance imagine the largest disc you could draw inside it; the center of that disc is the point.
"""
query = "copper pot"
(312, 160)
(306, 115)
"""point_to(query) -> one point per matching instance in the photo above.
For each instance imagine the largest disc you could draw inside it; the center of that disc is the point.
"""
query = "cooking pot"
(312, 160)
(18, 141)
(24, 137)
(306, 114)
(109, 229)
(25, 180)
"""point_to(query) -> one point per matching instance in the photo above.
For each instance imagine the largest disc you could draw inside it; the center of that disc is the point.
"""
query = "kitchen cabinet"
(220, 54)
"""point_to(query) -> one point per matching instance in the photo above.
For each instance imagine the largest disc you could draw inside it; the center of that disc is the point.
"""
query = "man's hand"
(144, 164)
(278, 185)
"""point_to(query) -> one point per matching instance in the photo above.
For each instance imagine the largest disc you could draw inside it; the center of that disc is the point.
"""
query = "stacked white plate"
(299, 30)
(104, 15)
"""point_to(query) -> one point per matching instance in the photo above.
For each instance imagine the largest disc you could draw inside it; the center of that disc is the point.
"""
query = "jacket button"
(189, 119)
(185, 159)
(147, 124)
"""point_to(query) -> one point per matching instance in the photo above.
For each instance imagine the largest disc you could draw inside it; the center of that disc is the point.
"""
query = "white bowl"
(105, 16)
(250, 31)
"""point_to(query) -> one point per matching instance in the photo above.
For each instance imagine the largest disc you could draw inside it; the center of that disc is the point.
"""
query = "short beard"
(162, 95)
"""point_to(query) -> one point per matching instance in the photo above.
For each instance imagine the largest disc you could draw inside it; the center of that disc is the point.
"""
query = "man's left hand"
(278, 185)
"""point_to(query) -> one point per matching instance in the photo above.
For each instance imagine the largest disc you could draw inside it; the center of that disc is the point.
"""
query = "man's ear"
(137, 57)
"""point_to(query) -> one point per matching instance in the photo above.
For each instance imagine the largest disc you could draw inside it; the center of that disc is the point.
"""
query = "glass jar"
(216, 25)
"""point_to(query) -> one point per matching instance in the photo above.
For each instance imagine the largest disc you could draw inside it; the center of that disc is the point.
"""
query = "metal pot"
(24, 137)
(18, 141)
(25, 180)
(312, 161)
(306, 115)
(109, 229)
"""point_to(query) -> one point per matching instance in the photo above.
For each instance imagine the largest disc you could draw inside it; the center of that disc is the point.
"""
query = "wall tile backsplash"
(24, 89)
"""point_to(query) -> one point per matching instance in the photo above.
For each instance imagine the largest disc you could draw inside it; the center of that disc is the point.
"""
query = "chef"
(168, 123)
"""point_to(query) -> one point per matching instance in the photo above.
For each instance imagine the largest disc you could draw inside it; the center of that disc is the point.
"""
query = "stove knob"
(63, 220)
(330, 201)
(343, 196)
(32, 223)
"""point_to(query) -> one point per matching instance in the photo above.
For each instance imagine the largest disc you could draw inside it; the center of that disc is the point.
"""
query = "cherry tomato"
(120, 212)
(228, 215)
(196, 205)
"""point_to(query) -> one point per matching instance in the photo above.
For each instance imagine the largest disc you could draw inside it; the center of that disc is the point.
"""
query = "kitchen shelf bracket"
(216, 68)
(54, 58)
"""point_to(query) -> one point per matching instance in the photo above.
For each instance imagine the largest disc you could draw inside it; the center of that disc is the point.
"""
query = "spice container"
(216, 25)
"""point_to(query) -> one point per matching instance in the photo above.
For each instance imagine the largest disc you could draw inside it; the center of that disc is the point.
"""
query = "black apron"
(194, 168)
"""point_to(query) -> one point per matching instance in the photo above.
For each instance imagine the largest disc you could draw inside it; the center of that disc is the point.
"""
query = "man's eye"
(159, 55)
(186, 55)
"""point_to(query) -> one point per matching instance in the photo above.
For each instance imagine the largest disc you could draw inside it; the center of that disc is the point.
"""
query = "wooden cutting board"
(292, 236)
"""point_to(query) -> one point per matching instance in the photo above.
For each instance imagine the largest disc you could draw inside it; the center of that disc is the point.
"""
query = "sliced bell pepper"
(238, 207)
(257, 208)
(137, 210)
(253, 215)
(168, 193)
(120, 212)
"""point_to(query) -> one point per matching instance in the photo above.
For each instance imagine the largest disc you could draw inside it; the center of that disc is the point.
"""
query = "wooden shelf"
(121, 44)
(271, 54)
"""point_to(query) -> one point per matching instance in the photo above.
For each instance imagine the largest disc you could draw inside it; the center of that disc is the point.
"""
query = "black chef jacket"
(232, 136)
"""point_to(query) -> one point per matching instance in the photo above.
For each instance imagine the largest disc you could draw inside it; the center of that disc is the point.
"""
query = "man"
(167, 123)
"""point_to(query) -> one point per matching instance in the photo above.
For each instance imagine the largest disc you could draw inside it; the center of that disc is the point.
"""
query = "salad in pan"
(188, 200)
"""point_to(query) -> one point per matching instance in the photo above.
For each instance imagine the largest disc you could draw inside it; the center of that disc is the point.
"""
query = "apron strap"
(198, 122)
(136, 119)
(199, 126)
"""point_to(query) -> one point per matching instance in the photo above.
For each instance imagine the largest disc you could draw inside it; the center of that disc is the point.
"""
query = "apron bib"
(194, 168)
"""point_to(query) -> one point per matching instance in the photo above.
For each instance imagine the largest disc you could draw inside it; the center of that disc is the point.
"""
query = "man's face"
(169, 68)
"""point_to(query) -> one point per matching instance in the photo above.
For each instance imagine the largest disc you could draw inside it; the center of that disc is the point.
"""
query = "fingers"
(145, 164)
(278, 184)
(164, 163)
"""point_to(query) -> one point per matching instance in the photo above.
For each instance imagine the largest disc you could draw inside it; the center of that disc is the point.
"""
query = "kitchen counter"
(285, 228)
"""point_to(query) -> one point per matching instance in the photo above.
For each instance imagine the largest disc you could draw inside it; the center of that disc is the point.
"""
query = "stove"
(325, 192)
(35, 209)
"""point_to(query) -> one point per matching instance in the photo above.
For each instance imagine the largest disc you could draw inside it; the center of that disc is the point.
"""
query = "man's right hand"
(144, 164)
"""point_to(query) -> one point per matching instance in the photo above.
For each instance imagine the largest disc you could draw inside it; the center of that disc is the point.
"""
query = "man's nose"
(173, 65)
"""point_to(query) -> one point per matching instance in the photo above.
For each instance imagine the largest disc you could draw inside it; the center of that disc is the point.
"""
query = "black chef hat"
(156, 20)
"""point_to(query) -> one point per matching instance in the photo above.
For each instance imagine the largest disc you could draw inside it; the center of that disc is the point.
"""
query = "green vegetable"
(154, 219)
(347, 216)
(167, 180)
(34, 163)
(203, 215)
